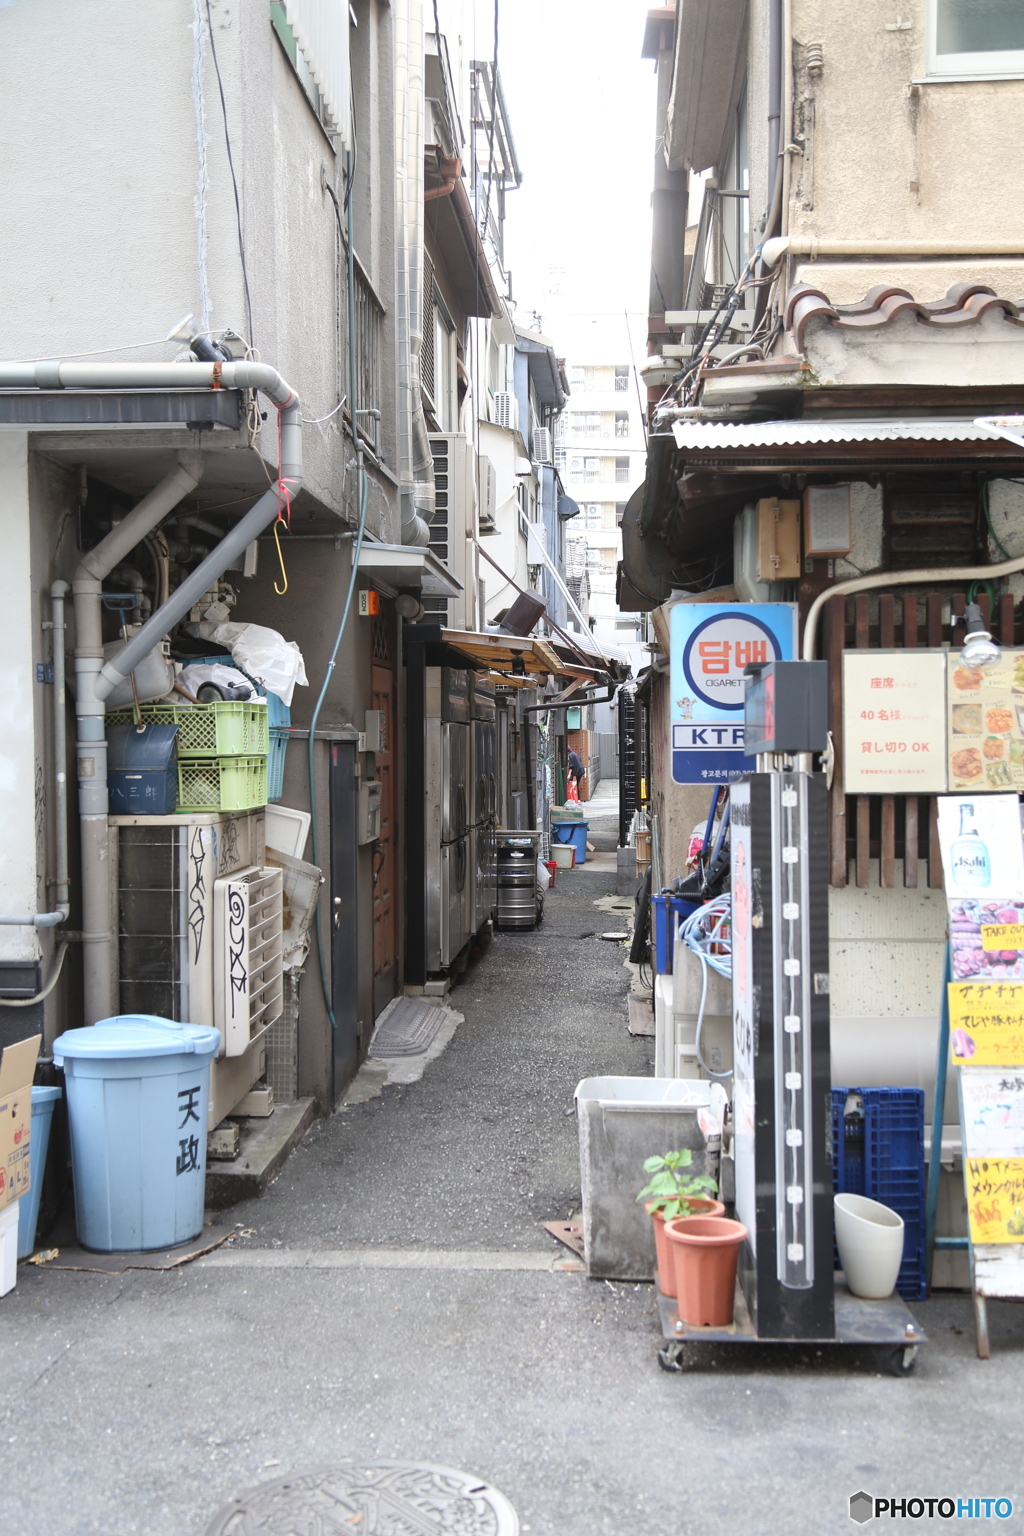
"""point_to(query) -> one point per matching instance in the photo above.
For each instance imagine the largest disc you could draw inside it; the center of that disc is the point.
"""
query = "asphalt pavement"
(395, 1297)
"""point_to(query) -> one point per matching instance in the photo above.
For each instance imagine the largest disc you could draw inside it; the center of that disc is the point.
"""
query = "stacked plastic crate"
(878, 1151)
(222, 752)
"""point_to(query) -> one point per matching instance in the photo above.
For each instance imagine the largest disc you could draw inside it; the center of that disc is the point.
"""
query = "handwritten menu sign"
(894, 725)
(986, 724)
(995, 1199)
(986, 1022)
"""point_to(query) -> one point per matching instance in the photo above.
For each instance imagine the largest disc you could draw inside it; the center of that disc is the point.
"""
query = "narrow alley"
(394, 1297)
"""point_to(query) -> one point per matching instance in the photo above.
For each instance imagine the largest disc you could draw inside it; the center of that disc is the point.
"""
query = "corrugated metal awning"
(709, 436)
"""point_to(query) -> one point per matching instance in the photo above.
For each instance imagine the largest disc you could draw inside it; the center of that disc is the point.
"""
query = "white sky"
(582, 107)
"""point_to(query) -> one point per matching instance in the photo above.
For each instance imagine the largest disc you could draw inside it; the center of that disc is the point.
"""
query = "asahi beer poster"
(982, 848)
(711, 646)
(986, 724)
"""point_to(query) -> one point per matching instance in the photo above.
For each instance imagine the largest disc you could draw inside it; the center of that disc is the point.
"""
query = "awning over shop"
(840, 441)
(508, 655)
(406, 566)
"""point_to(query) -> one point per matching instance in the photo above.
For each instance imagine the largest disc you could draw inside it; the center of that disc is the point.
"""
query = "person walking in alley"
(577, 772)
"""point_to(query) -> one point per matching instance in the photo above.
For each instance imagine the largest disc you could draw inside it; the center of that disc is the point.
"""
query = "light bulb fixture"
(199, 343)
(980, 650)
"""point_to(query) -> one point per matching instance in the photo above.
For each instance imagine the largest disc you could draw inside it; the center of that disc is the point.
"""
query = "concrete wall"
(895, 156)
(103, 214)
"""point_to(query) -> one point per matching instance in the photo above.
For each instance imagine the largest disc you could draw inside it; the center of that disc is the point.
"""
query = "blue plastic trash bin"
(43, 1100)
(138, 1088)
(574, 832)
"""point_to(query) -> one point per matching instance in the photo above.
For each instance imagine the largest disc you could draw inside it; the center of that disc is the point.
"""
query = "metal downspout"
(415, 461)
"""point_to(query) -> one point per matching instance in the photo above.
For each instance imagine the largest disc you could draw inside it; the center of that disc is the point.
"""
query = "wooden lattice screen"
(891, 827)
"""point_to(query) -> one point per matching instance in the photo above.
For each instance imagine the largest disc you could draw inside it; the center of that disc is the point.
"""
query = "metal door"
(344, 938)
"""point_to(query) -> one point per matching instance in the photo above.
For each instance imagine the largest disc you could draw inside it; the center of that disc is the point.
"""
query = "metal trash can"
(623, 1121)
(138, 1091)
(44, 1101)
(517, 881)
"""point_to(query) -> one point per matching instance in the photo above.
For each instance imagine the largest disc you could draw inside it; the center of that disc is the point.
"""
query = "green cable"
(357, 546)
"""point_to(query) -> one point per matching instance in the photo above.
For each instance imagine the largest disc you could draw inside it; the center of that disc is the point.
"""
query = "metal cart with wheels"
(886, 1325)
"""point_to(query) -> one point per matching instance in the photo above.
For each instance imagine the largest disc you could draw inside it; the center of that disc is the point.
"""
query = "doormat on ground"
(641, 1015)
(408, 1027)
(568, 1232)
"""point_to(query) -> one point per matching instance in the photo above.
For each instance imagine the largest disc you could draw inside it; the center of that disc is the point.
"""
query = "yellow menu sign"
(995, 1199)
(1002, 936)
(986, 1021)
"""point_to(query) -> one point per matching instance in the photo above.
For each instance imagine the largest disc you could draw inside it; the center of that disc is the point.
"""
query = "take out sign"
(17, 1068)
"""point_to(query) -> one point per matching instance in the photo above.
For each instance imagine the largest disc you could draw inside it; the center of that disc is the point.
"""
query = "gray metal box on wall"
(622, 1122)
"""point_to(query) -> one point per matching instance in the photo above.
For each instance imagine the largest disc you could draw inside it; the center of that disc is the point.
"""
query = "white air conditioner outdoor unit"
(453, 523)
(542, 445)
(247, 936)
(487, 495)
(506, 410)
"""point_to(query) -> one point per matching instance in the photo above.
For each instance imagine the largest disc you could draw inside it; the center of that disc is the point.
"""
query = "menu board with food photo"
(986, 724)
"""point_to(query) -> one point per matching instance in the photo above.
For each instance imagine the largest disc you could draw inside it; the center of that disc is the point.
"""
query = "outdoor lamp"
(980, 650)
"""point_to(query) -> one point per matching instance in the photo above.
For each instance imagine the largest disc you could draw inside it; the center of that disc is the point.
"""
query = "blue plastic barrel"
(574, 832)
(138, 1089)
(43, 1100)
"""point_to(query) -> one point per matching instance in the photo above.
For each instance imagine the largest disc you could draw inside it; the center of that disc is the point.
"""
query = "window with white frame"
(622, 470)
(621, 423)
(975, 37)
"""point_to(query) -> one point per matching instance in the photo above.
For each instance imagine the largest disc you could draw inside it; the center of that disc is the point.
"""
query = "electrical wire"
(705, 931)
(315, 421)
(60, 357)
(231, 168)
(363, 495)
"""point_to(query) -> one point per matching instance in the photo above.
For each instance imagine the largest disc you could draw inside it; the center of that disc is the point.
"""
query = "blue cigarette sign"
(711, 646)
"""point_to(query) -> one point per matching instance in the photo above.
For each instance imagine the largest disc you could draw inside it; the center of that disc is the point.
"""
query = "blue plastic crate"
(275, 761)
(880, 1153)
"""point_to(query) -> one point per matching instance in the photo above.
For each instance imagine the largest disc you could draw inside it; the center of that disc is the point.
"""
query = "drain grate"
(408, 1027)
(384, 1498)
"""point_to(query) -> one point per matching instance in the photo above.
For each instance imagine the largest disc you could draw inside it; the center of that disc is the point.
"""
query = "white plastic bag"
(275, 663)
(193, 677)
(543, 875)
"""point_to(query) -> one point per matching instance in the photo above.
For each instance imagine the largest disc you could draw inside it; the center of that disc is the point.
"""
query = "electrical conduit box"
(368, 825)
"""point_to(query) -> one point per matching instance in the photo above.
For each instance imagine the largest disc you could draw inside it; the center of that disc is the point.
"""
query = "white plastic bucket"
(869, 1237)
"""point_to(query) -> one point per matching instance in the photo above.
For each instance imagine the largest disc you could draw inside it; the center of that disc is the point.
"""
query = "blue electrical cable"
(357, 546)
(699, 932)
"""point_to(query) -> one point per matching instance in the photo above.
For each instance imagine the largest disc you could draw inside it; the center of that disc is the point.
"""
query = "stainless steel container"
(517, 886)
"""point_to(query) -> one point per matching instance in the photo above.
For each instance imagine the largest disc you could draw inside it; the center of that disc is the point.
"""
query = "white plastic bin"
(9, 1247)
(622, 1122)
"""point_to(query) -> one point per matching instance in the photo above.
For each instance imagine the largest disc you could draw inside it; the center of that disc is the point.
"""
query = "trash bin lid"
(137, 1034)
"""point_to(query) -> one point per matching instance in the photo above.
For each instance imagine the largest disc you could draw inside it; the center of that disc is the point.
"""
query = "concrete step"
(265, 1144)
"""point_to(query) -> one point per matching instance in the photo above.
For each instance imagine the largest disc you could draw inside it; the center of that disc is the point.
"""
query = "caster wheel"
(901, 1361)
(670, 1356)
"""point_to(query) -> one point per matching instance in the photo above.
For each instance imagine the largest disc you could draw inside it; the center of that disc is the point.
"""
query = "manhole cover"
(382, 1498)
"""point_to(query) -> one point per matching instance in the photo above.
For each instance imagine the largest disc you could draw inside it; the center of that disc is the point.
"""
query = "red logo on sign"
(18, 1135)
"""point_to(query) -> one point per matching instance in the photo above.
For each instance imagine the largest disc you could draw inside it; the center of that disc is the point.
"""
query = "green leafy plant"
(670, 1189)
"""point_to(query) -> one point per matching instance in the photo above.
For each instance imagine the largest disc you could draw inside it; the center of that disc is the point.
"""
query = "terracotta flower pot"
(701, 1206)
(705, 1251)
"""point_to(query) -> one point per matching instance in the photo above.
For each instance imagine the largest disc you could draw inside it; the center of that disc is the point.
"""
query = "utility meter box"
(786, 707)
(368, 826)
(375, 733)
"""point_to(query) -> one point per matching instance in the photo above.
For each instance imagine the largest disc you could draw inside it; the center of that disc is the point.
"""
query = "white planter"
(869, 1237)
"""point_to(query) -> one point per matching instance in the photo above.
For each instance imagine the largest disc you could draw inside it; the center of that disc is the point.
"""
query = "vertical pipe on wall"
(415, 461)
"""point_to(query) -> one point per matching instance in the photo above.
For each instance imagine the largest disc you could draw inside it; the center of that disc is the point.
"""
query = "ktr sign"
(711, 647)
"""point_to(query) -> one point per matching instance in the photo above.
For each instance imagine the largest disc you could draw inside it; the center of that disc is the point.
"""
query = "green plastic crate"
(222, 784)
(210, 730)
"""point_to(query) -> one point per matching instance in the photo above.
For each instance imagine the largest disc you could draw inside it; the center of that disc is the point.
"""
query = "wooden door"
(385, 850)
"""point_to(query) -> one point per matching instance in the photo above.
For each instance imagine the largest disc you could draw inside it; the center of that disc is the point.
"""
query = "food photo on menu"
(971, 961)
(986, 724)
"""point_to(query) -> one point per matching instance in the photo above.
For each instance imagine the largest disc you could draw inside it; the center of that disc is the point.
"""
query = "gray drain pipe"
(100, 679)
(415, 460)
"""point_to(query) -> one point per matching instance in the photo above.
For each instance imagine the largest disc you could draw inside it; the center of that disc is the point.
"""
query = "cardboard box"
(17, 1069)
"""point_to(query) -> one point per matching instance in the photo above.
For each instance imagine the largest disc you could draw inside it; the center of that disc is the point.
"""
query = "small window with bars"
(621, 379)
(622, 470)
